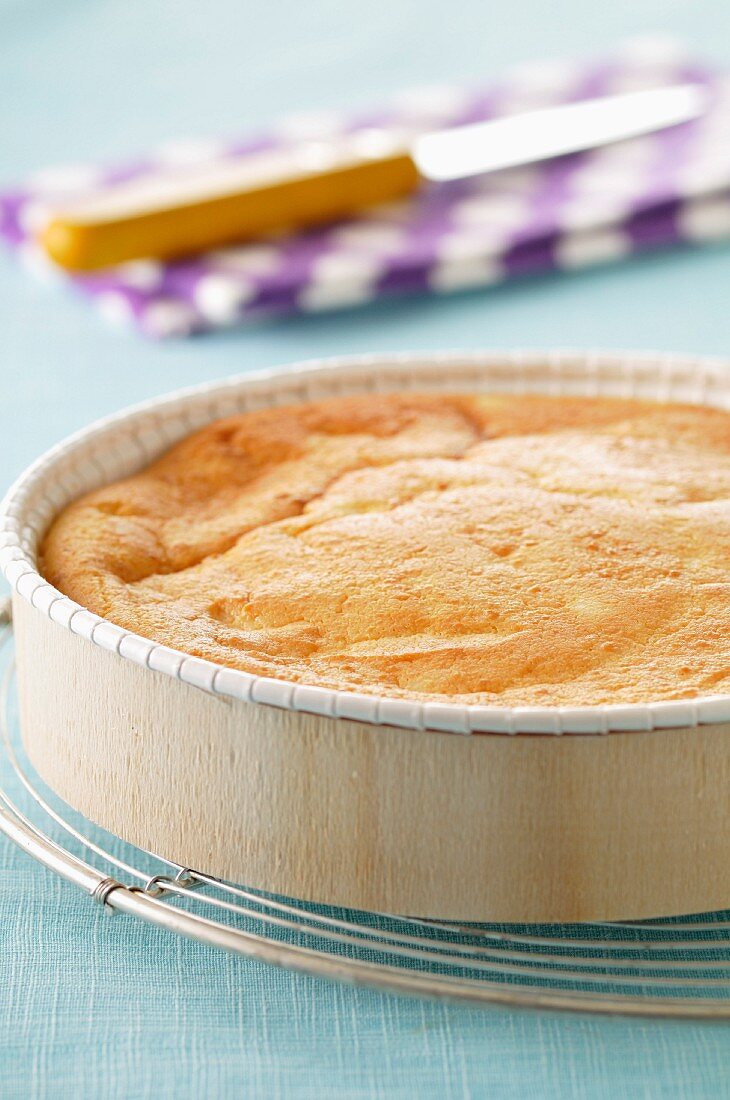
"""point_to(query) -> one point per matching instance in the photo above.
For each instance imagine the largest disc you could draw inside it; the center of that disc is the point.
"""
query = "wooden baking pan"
(439, 810)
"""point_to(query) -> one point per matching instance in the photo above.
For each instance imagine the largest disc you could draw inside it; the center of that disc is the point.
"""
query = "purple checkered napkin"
(665, 188)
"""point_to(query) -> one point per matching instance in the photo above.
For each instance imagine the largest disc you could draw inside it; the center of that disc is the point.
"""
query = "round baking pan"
(434, 809)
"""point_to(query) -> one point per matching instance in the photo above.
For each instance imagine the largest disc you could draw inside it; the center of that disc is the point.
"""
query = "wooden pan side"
(442, 825)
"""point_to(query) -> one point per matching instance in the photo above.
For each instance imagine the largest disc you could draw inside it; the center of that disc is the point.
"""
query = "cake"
(494, 549)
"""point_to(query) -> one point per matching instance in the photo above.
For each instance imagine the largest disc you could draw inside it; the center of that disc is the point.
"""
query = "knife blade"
(173, 213)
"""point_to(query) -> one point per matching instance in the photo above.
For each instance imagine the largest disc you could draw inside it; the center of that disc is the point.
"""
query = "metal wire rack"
(677, 967)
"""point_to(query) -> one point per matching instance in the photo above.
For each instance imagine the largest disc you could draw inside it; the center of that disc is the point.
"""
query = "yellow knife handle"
(110, 231)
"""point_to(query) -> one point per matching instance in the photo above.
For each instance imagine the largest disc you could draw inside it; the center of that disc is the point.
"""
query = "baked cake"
(517, 550)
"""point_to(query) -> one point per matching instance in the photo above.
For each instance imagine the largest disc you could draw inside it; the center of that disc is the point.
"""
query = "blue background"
(94, 1007)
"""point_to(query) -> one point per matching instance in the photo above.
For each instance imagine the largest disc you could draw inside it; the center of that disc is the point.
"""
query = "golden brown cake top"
(517, 550)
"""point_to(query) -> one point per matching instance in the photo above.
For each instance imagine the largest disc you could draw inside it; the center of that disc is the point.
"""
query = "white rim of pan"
(118, 445)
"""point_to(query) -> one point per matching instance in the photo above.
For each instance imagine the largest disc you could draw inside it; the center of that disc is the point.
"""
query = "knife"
(174, 213)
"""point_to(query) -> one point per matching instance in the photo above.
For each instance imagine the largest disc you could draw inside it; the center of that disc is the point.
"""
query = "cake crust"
(495, 549)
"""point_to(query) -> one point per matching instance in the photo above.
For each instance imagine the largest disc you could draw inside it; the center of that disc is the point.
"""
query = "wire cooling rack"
(677, 967)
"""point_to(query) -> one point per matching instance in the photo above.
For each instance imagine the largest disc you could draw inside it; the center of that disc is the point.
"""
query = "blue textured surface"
(93, 1007)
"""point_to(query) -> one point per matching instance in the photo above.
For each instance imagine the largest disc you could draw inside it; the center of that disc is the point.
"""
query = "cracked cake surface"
(497, 549)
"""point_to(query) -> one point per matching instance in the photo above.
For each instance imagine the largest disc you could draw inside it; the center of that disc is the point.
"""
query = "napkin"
(662, 189)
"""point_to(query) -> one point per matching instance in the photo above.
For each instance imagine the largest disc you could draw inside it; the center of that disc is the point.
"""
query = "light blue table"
(93, 1007)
